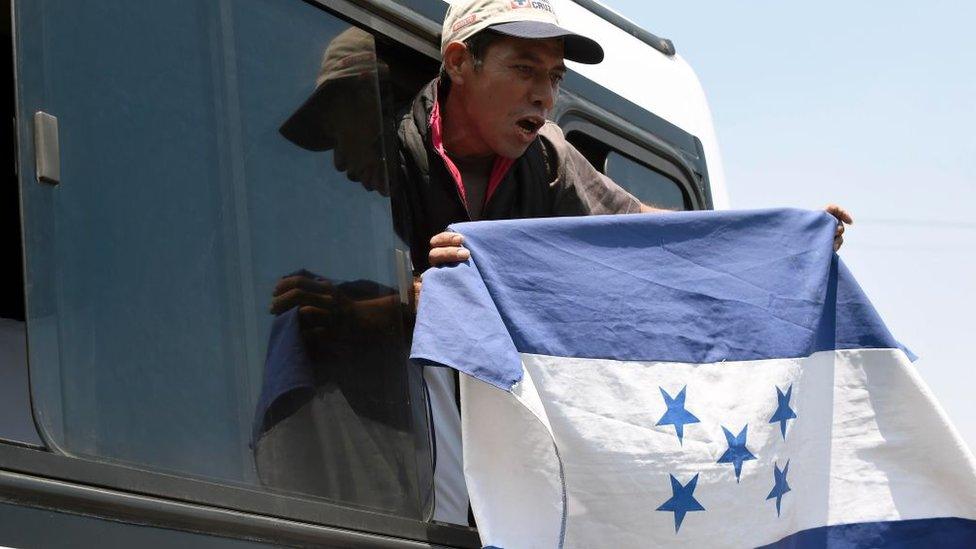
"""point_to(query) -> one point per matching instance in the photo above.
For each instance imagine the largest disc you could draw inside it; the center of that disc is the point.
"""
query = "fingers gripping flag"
(710, 379)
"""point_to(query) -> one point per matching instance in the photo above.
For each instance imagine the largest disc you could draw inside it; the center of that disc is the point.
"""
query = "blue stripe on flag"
(693, 287)
(944, 533)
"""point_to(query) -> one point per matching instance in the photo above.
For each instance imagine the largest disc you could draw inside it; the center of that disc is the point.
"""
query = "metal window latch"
(404, 269)
(47, 151)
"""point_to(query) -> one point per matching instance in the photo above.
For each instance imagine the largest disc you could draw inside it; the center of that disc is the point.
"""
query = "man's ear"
(455, 56)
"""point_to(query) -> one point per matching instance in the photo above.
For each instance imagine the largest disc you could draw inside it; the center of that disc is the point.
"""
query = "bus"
(157, 196)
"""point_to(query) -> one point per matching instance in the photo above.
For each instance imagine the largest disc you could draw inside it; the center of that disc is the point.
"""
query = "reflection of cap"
(350, 55)
(534, 19)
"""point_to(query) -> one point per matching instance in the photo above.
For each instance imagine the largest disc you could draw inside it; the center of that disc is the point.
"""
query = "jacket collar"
(426, 115)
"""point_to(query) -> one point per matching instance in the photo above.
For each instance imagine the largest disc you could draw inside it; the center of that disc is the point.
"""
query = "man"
(476, 144)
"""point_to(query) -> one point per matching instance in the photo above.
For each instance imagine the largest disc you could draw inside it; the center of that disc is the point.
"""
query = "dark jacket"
(550, 179)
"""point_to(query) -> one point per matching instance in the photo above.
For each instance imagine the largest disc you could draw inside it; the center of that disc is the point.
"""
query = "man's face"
(508, 99)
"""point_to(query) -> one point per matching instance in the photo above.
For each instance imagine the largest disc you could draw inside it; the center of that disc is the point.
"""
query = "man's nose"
(544, 93)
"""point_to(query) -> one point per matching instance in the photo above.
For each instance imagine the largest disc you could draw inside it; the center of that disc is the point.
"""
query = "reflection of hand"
(322, 310)
(843, 216)
(329, 317)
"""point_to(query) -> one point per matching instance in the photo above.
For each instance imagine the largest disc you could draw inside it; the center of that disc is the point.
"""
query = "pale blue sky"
(871, 105)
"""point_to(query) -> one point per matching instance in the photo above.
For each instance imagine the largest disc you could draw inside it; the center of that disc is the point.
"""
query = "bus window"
(647, 184)
(216, 284)
(16, 421)
(652, 170)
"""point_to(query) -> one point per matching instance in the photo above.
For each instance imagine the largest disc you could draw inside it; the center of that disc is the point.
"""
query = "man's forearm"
(644, 208)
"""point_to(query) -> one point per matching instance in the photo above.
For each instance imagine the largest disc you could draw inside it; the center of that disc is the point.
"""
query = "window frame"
(628, 149)
(686, 200)
(75, 485)
(644, 143)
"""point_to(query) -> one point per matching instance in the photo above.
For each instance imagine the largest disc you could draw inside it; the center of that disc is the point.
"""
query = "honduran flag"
(709, 379)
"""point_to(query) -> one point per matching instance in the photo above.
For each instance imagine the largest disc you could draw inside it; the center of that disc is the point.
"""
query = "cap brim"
(576, 47)
(307, 126)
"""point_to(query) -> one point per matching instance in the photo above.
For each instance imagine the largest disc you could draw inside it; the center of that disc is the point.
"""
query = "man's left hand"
(843, 217)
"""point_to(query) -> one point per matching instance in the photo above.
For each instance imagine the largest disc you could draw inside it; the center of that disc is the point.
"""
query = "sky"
(870, 105)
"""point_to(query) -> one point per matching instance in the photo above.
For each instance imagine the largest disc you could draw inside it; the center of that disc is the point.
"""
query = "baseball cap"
(532, 19)
(348, 65)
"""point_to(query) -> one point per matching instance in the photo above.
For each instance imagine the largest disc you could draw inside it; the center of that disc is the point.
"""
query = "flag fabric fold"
(705, 378)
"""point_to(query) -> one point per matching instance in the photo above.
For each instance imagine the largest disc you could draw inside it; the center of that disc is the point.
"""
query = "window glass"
(216, 286)
(16, 420)
(648, 185)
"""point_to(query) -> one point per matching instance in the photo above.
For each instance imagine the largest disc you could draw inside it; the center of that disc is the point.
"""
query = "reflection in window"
(223, 294)
(16, 420)
(648, 185)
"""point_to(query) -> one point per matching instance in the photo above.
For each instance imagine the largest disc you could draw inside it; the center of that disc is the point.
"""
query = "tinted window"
(16, 421)
(647, 184)
(654, 182)
(212, 291)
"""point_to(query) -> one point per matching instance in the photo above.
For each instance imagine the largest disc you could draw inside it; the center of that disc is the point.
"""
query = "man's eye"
(524, 70)
(557, 78)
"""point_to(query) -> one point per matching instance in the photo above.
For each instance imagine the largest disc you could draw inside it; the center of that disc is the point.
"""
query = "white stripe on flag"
(868, 443)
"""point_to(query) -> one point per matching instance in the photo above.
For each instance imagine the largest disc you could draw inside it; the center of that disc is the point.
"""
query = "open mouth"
(530, 124)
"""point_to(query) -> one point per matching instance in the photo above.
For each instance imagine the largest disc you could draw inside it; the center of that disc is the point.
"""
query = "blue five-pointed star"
(783, 410)
(676, 414)
(781, 486)
(737, 452)
(682, 500)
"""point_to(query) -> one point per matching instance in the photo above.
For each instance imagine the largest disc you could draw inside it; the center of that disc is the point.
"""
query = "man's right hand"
(447, 247)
